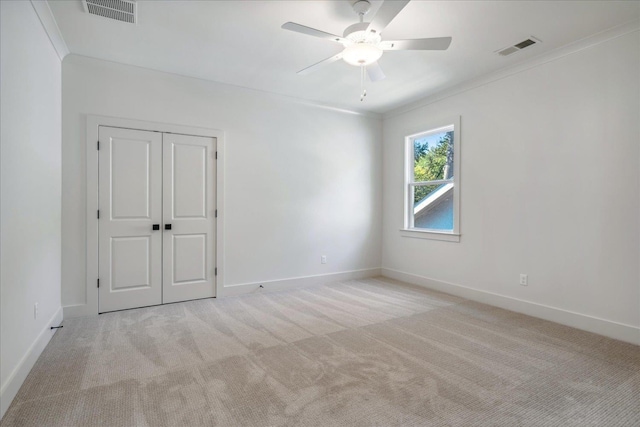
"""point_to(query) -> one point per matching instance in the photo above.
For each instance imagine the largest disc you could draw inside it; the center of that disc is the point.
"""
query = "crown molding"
(553, 55)
(50, 27)
(336, 108)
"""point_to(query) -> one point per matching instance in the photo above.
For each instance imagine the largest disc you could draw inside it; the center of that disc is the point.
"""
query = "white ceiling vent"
(120, 10)
(518, 46)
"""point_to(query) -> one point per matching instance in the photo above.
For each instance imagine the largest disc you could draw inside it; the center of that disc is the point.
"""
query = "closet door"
(130, 203)
(189, 232)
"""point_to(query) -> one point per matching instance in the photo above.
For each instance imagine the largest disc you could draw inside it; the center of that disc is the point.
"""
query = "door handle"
(156, 226)
(167, 226)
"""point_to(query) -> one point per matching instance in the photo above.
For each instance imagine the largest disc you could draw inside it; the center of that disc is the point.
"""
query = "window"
(432, 184)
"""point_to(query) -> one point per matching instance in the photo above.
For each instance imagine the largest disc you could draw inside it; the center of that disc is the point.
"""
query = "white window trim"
(421, 233)
(408, 230)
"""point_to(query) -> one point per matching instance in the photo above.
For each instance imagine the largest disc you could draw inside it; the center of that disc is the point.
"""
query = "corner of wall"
(15, 380)
(26, 130)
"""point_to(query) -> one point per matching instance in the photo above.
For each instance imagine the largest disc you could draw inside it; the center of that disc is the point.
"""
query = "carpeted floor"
(358, 353)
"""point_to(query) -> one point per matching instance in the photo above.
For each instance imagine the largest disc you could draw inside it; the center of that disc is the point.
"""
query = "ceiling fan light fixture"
(360, 54)
(362, 41)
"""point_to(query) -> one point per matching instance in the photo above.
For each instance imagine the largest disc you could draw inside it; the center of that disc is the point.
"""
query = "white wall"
(300, 180)
(30, 193)
(549, 187)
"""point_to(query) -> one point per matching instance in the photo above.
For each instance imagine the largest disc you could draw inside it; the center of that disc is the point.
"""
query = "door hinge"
(98, 213)
(98, 282)
(216, 213)
(216, 271)
(216, 155)
(98, 145)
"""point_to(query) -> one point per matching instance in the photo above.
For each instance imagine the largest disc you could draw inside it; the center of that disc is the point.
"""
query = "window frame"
(409, 230)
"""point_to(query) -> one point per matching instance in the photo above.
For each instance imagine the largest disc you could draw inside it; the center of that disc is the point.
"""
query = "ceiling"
(241, 42)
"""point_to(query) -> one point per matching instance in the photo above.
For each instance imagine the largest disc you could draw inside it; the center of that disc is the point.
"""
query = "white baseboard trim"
(79, 310)
(11, 386)
(83, 310)
(619, 331)
(296, 282)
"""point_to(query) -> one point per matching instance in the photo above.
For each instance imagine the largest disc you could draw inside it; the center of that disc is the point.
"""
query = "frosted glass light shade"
(361, 54)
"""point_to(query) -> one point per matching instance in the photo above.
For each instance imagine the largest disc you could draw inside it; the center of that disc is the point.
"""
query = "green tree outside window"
(432, 163)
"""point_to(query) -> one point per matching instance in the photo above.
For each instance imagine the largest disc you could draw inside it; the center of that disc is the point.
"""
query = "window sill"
(430, 235)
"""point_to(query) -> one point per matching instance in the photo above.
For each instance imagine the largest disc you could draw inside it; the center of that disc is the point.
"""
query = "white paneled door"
(156, 218)
(130, 202)
(189, 209)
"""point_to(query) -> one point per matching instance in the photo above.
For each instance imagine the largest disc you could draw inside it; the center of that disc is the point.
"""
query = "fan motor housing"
(360, 26)
(357, 33)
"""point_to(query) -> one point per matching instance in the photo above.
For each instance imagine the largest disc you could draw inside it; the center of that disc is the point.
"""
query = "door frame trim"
(93, 122)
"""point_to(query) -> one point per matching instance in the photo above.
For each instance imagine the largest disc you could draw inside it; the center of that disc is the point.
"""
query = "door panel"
(130, 266)
(130, 202)
(130, 196)
(189, 181)
(189, 258)
(189, 195)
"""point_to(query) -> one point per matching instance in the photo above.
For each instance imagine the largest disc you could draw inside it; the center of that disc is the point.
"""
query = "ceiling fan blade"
(436, 43)
(292, 26)
(374, 71)
(317, 65)
(388, 10)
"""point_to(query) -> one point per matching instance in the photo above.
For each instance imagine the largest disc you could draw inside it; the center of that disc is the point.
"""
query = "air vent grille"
(518, 46)
(120, 10)
(526, 43)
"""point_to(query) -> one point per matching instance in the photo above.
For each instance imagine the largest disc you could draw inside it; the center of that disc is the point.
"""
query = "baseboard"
(10, 388)
(79, 310)
(82, 310)
(619, 331)
(296, 282)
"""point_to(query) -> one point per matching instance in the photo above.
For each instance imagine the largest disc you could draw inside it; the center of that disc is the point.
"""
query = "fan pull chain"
(363, 91)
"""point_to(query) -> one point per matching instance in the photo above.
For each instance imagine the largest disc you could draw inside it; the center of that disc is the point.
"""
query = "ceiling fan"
(363, 44)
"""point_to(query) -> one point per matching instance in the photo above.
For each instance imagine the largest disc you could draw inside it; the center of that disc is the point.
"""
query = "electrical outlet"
(323, 259)
(35, 311)
(524, 280)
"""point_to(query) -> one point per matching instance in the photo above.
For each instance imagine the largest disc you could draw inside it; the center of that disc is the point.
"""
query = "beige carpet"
(369, 352)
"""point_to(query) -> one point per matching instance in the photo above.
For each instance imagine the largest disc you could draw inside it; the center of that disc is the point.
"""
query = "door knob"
(156, 226)
(167, 226)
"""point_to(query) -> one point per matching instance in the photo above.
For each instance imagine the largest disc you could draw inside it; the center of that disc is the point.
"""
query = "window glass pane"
(433, 157)
(422, 192)
(433, 209)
